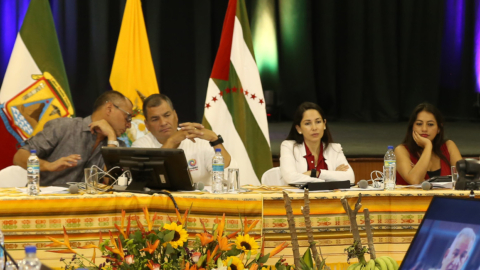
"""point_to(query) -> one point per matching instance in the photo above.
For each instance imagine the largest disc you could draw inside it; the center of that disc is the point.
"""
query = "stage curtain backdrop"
(360, 60)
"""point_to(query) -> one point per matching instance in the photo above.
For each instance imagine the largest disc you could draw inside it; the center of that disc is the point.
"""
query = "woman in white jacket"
(309, 145)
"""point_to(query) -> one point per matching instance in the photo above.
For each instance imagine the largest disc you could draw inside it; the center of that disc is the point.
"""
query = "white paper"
(47, 190)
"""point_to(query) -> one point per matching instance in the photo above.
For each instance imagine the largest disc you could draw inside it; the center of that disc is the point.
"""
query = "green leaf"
(264, 259)
(201, 260)
(322, 265)
(169, 249)
(234, 251)
(169, 236)
(138, 237)
(249, 254)
(307, 258)
(229, 262)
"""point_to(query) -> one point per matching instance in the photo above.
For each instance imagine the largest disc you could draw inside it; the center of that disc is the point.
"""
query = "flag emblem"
(30, 109)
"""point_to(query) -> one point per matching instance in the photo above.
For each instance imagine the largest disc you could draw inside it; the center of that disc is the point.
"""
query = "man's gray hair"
(467, 233)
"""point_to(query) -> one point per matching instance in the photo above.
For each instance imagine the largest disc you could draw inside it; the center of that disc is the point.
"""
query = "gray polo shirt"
(62, 137)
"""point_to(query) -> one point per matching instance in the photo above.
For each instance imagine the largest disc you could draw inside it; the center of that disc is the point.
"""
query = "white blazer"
(293, 164)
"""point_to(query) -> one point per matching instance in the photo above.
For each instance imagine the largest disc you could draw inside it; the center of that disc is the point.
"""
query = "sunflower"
(236, 263)
(180, 234)
(246, 243)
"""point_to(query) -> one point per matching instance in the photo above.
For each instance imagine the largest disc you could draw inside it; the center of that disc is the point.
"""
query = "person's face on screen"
(162, 121)
(426, 125)
(457, 254)
(120, 118)
(312, 126)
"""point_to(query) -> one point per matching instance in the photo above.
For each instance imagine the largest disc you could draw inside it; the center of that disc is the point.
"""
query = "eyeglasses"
(129, 116)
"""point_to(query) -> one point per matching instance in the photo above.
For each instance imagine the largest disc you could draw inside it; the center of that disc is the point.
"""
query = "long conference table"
(395, 217)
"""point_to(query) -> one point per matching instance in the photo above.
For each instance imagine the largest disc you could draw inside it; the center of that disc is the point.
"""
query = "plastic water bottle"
(217, 168)
(33, 173)
(2, 254)
(390, 169)
(31, 262)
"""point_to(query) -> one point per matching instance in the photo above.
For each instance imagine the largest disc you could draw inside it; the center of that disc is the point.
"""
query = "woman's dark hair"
(297, 119)
(439, 139)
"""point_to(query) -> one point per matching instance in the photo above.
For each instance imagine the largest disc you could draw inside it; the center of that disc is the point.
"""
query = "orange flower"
(247, 230)
(123, 219)
(254, 267)
(203, 224)
(151, 248)
(140, 225)
(147, 217)
(153, 266)
(221, 226)
(278, 248)
(94, 247)
(205, 238)
(57, 243)
(121, 231)
(233, 234)
(115, 248)
(223, 243)
(211, 255)
(128, 225)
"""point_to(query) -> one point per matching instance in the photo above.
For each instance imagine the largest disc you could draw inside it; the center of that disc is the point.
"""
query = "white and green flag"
(35, 88)
(235, 105)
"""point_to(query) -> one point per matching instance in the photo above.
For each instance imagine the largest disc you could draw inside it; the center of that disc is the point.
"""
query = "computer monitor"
(155, 168)
(448, 237)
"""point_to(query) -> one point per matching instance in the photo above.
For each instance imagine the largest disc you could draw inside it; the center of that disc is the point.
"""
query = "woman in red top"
(424, 152)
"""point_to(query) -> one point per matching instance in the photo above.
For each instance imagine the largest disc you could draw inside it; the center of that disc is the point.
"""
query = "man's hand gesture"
(63, 163)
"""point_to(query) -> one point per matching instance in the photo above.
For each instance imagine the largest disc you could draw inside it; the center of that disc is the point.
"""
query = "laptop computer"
(448, 237)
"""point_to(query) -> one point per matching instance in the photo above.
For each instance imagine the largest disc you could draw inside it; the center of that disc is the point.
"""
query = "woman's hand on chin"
(421, 141)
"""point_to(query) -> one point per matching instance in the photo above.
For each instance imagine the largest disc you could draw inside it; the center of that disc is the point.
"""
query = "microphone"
(363, 184)
(427, 185)
(73, 189)
(199, 186)
(313, 173)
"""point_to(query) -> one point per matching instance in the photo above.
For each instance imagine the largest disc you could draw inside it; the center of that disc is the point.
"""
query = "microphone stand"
(7, 255)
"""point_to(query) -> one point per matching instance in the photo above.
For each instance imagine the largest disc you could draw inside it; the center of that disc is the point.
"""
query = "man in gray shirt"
(66, 146)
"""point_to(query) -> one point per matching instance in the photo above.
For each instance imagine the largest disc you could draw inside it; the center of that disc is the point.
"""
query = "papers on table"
(48, 190)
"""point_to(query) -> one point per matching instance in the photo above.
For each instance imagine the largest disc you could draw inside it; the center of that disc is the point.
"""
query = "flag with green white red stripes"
(35, 88)
(235, 105)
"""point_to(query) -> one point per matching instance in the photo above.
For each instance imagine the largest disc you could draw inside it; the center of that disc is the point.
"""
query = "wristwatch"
(218, 141)
(113, 143)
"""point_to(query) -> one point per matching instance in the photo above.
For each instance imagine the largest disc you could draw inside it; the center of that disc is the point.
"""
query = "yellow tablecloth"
(395, 217)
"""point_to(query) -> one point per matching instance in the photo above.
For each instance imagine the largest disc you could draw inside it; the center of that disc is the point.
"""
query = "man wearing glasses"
(66, 146)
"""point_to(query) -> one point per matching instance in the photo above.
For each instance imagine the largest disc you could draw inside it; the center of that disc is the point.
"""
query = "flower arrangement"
(165, 247)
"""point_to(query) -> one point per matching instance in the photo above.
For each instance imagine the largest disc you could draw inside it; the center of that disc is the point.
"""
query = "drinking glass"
(233, 179)
(91, 180)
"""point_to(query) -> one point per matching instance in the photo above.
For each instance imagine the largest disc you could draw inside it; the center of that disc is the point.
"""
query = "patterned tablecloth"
(395, 217)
